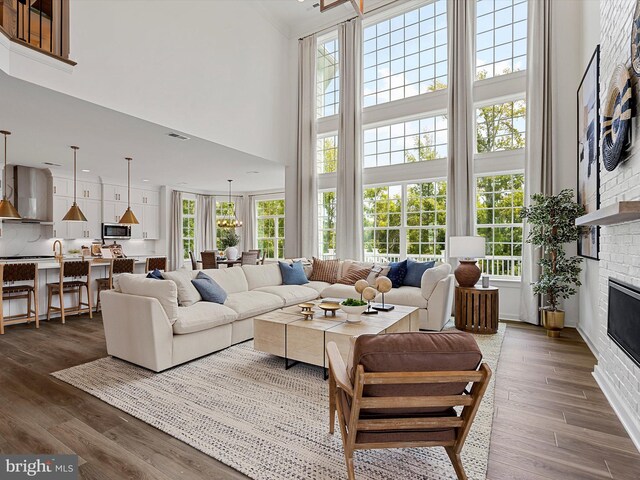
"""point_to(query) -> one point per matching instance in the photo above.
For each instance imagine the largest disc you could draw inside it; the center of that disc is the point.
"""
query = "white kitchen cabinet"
(151, 222)
(62, 187)
(112, 211)
(60, 208)
(145, 197)
(90, 190)
(115, 193)
(92, 209)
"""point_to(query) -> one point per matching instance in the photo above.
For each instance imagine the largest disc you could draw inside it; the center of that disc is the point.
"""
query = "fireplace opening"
(623, 324)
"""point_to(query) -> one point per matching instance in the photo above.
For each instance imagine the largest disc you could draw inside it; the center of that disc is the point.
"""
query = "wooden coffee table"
(286, 334)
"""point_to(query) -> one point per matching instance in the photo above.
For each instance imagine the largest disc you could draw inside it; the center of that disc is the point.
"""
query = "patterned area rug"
(244, 409)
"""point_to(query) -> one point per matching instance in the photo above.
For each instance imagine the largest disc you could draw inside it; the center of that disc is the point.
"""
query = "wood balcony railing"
(42, 25)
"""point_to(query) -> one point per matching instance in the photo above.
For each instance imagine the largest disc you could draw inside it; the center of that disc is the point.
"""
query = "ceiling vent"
(178, 136)
(51, 164)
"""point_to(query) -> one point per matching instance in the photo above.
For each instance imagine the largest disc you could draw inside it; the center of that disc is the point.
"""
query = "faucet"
(58, 256)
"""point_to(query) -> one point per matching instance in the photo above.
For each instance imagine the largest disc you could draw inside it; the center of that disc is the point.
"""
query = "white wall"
(589, 293)
(215, 69)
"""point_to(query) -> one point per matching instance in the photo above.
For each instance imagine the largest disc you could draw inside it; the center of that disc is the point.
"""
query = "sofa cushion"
(209, 289)
(397, 272)
(187, 293)
(155, 274)
(232, 280)
(164, 290)
(340, 291)
(317, 286)
(355, 274)
(409, 296)
(250, 304)
(262, 275)
(292, 273)
(202, 316)
(291, 294)
(415, 270)
(325, 270)
(431, 278)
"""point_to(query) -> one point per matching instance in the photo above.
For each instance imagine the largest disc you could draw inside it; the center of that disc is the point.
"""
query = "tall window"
(406, 55)
(188, 227)
(327, 154)
(501, 126)
(499, 200)
(501, 37)
(406, 220)
(382, 221)
(270, 224)
(224, 209)
(327, 223)
(426, 220)
(328, 78)
(406, 142)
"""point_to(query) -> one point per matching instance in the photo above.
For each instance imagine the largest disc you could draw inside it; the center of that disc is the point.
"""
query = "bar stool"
(75, 270)
(19, 272)
(116, 267)
(153, 263)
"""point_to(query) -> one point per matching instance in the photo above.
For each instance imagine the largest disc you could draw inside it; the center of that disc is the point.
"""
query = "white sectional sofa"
(158, 324)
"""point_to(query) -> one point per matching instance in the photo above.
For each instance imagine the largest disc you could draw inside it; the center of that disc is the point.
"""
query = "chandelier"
(231, 220)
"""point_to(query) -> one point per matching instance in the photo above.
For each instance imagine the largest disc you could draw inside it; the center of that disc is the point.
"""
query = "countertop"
(50, 263)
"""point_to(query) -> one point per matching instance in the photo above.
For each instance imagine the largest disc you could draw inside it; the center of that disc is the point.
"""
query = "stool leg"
(37, 308)
(89, 299)
(28, 308)
(98, 300)
(61, 297)
(49, 299)
(1, 318)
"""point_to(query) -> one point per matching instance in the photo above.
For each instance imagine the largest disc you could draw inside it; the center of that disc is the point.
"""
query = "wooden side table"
(477, 309)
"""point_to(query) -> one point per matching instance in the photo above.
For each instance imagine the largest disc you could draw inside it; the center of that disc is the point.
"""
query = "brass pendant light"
(128, 218)
(7, 210)
(230, 222)
(74, 214)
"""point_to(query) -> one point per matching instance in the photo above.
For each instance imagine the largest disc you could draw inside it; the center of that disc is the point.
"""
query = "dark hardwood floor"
(551, 421)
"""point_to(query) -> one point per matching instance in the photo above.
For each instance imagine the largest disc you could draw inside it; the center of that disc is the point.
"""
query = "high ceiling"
(45, 123)
(296, 18)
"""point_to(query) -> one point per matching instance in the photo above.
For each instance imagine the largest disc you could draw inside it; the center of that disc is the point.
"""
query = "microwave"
(115, 231)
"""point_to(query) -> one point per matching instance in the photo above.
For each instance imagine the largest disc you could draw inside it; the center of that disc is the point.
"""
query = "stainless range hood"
(29, 190)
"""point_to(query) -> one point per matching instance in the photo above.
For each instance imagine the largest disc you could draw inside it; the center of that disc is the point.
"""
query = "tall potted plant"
(552, 225)
(229, 241)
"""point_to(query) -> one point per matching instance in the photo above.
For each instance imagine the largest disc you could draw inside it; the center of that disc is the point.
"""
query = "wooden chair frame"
(469, 400)
(107, 283)
(60, 288)
(250, 258)
(32, 313)
(152, 263)
(209, 259)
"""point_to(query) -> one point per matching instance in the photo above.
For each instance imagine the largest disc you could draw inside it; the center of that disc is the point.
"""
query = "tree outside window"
(188, 227)
(270, 225)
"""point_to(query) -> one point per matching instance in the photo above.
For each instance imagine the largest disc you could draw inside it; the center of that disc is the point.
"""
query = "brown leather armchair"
(400, 391)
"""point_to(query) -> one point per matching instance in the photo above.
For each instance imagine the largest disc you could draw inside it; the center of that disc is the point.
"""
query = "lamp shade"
(466, 247)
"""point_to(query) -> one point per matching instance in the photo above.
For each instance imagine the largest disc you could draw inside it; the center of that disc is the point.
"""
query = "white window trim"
(267, 198)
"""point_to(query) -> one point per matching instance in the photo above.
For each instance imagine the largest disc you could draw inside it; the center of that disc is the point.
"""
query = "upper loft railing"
(42, 25)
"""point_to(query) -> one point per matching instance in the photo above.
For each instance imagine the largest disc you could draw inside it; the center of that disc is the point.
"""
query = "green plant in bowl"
(353, 308)
(352, 302)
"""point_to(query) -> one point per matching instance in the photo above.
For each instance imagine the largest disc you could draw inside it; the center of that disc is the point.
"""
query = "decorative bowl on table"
(354, 309)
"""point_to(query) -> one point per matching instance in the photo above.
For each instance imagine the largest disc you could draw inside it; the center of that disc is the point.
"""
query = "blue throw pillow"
(292, 273)
(415, 271)
(156, 274)
(208, 289)
(397, 272)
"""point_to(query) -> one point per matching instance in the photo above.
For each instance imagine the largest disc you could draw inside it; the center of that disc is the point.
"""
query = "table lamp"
(467, 250)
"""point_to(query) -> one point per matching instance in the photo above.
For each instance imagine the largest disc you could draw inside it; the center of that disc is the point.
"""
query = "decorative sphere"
(361, 285)
(383, 284)
(369, 293)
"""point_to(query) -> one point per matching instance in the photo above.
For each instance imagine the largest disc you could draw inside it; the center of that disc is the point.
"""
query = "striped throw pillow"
(355, 274)
(324, 270)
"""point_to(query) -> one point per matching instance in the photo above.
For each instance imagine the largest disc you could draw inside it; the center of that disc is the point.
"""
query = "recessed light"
(85, 170)
(145, 179)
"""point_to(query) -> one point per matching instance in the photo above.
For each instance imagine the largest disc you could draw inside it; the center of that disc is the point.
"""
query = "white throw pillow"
(187, 293)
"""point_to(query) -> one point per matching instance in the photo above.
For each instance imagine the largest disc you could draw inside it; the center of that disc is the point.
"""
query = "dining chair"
(260, 256)
(194, 262)
(209, 259)
(19, 272)
(249, 258)
(80, 274)
(400, 389)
